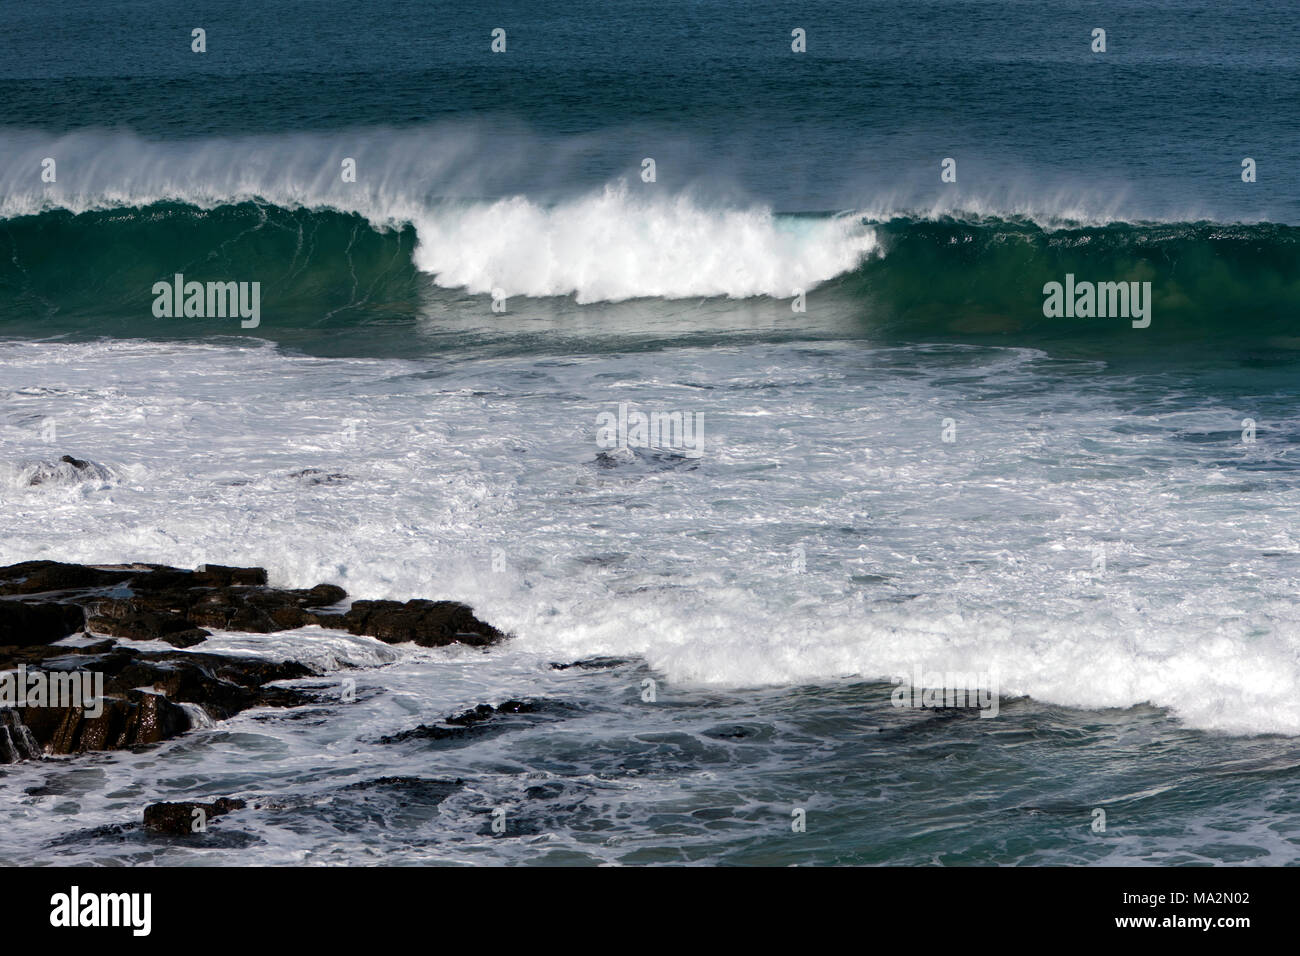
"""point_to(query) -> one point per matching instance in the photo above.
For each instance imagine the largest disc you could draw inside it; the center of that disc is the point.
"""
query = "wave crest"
(612, 246)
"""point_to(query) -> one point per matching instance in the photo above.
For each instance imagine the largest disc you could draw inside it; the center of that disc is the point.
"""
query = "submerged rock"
(591, 663)
(314, 476)
(66, 471)
(179, 819)
(484, 719)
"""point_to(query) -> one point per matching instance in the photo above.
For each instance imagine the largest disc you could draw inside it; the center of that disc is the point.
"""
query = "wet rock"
(138, 718)
(591, 664)
(154, 602)
(36, 577)
(427, 623)
(67, 470)
(217, 575)
(143, 698)
(145, 693)
(406, 791)
(8, 752)
(16, 740)
(471, 717)
(23, 624)
(645, 459)
(124, 618)
(485, 712)
(314, 476)
(612, 459)
(132, 720)
(479, 720)
(11, 656)
(179, 819)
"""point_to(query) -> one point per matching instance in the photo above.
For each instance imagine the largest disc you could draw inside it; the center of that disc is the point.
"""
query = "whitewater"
(827, 532)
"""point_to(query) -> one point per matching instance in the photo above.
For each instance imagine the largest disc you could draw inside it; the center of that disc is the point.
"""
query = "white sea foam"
(480, 483)
(200, 719)
(612, 246)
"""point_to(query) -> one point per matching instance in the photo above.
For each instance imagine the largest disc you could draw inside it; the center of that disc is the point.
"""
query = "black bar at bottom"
(307, 906)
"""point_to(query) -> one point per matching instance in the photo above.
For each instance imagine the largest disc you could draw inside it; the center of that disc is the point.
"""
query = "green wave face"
(929, 280)
(95, 271)
(1208, 283)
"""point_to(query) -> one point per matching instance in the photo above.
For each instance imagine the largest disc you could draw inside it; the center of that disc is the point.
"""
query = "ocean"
(891, 457)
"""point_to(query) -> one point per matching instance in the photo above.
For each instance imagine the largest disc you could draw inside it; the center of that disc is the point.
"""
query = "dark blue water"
(1158, 123)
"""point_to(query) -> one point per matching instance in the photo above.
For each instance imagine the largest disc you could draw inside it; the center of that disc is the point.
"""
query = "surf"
(969, 277)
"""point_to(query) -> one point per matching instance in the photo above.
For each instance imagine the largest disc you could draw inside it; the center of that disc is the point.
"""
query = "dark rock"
(44, 601)
(217, 575)
(427, 623)
(25, 624)
(122, 617)
(12, 655)
(16, 741)
(220, 684)
(154, 602)
(178, 819)
(518, 707)
(592, 664)
(483, 719)
(323, 595)
(485, 712)
(406, 791)
(476, 716)
(134, 720)
(36, 577)
(314, 476)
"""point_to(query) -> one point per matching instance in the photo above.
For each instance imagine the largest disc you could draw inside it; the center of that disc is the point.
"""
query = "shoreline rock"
(42, 602)
(155, 602)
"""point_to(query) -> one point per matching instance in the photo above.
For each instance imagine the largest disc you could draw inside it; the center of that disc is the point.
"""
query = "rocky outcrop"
(154, 602)
(39, 622)
(427, 623)
(144, 698)
(36, 577)
(151, 695)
